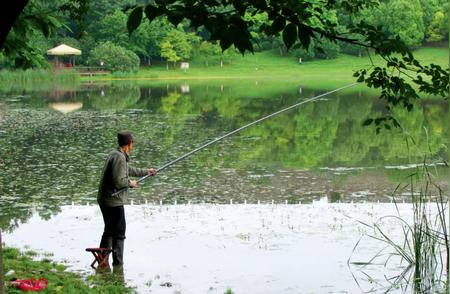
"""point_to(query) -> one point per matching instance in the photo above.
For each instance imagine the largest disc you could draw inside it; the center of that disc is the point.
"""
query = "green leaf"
(260, 4)
(379, 120)
(244, 44)
(305, 35)
(367, 122)
(151, 12)
(226, 42)
(175, 18)
(134, 20)
(290, 35)
(278, 24)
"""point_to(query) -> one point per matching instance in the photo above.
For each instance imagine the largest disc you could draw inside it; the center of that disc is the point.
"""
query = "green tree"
(429, 8)
(112, 27)
(436, 30)
(157, 30)
(208, 51)
(114, 57)
(87, 44)
(180, 44)
(320, 48)
(403, 18)
(168, 52)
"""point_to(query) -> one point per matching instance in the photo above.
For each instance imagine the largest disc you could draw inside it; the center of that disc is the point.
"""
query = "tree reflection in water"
(52, 158)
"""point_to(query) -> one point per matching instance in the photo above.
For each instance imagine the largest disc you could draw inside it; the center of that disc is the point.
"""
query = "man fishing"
(113, 193)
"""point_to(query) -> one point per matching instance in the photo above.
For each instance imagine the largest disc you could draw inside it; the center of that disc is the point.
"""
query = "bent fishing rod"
(237, 131)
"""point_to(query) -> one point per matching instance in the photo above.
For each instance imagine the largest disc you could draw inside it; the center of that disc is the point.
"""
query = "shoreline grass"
(24, 265)
(38, 80)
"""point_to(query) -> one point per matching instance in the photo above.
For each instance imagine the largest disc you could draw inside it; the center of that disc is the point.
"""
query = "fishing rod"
(236, 131)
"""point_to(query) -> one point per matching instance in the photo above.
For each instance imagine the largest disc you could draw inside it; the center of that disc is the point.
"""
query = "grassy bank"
(270, 65)
(23, 265)
(38, 80)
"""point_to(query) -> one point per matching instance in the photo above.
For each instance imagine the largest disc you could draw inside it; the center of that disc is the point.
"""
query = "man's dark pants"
(114, 232)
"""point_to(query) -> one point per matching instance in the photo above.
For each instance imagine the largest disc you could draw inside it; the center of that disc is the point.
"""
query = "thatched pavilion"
(64, 50)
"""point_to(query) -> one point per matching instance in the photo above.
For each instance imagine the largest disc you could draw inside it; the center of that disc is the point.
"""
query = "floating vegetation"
(56, 153)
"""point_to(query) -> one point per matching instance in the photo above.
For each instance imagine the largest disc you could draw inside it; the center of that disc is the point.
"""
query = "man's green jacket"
(115, 176)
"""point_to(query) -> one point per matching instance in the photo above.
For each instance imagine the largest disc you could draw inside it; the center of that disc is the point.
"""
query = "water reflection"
(51, 158)
(66, 107)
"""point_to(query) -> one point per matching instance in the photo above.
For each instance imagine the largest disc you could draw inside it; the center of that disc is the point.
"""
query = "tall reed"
(423, 250)
(19, 81)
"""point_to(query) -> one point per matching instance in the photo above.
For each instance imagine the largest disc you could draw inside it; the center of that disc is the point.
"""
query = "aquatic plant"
(22, 81)
(421, 253)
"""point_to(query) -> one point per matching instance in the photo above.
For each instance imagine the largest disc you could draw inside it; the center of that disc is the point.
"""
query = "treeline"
(104, 40)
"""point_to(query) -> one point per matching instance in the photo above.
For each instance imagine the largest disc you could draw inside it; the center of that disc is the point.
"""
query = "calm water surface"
(54, 143)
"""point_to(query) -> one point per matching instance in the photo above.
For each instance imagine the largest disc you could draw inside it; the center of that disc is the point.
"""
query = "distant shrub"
(303, 54)
(114, 58)
(353, 49)
(326, 49)
(318, 49)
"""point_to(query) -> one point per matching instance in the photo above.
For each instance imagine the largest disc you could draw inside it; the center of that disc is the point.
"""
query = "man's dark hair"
(124, 138)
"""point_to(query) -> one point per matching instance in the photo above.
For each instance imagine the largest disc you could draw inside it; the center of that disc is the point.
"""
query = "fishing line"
(238, 130)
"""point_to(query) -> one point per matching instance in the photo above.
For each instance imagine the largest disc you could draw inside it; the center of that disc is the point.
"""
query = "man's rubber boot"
(118, 273)
(118, 252)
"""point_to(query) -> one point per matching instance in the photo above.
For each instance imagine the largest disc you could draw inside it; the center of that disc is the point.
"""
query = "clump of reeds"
(37, 80)
(423, 254)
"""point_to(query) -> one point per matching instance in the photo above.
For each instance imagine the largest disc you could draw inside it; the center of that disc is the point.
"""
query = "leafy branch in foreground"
(402, 78)
(37, 17)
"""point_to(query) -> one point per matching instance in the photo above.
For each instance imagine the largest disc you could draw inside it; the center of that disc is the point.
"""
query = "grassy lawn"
(23, 265)
(269, 65)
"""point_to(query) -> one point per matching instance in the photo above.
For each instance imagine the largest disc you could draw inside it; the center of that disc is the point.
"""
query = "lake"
(55, 142)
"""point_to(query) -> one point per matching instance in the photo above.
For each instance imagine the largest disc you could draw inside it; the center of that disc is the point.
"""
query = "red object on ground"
(30, 285)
